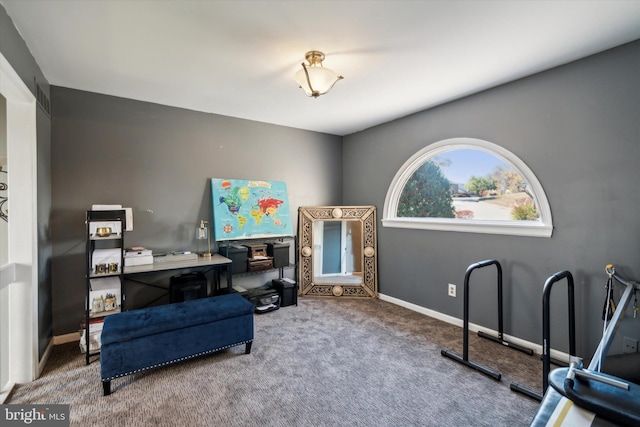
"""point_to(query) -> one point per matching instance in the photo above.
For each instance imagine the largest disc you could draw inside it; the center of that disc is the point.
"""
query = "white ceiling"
(238, 58)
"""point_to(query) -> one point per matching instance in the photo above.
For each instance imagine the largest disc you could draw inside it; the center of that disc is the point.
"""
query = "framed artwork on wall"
(250, 209)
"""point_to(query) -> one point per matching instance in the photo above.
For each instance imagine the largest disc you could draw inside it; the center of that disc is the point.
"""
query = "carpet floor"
(324, 362)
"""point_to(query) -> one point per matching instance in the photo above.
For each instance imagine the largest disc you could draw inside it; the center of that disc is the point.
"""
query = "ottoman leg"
(248, 347)
(106, 386)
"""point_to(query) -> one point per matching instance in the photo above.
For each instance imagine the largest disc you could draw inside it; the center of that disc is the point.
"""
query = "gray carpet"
(325, 362)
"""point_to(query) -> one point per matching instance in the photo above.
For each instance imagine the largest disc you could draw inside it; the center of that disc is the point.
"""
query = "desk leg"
(229, 285)
(215, 281)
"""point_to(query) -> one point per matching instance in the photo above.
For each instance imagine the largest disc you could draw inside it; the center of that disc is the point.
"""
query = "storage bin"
(288, 291)
(238, 255)
(187, 287)
(280, 254)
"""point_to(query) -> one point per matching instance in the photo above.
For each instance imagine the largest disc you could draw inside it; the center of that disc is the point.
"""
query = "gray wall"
(158, 161)
(17, 54)
(577, 127)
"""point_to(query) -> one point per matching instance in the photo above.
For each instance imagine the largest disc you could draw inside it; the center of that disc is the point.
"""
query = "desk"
(215, 262)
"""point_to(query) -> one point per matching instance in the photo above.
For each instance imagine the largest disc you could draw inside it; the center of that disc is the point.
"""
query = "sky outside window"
(462, 164)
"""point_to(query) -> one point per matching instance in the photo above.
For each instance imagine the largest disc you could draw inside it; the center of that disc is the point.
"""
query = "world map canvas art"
(250, 209)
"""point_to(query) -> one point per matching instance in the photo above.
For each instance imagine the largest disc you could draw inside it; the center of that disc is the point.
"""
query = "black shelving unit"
(225, 245)
(104, 263)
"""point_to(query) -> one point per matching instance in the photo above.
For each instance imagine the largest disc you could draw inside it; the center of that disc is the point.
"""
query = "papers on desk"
(175, 256)
(134, 252)
(138, 260)
(140, 256)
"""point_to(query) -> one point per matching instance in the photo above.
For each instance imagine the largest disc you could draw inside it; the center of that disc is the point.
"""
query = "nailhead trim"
(175, 360)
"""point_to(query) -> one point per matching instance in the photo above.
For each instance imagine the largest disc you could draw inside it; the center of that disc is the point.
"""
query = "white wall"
(19, 329)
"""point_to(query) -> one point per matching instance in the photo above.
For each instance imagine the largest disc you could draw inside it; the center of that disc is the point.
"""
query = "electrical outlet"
(630, 345)
(452, 290)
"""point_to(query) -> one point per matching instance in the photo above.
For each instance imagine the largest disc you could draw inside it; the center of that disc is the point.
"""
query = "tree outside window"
(465, 184)
(427, 194)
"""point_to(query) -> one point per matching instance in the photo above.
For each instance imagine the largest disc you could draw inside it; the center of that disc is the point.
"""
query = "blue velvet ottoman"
(137, 340)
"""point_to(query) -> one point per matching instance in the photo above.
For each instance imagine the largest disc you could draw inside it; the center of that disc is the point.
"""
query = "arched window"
(468, 185)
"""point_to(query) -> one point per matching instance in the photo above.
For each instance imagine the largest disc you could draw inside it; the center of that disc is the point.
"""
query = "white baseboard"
(63, 339)
(537, 348)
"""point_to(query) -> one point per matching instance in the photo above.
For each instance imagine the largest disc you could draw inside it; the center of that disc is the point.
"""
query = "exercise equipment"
(464, 359)
(587, 397)
(610, 325)
(546, 332)
(607, 396)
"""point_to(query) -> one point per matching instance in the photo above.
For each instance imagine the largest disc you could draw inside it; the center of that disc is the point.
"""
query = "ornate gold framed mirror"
(337, 251)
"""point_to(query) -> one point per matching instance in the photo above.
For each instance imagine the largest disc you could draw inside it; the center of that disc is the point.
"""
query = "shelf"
(103, 251)
(103, 313)
(280, 239)
(101, 275)
(266, 270)
(112, 236)
(232, 250)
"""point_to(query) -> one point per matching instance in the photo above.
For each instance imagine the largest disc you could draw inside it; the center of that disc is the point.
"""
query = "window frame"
(541, 228)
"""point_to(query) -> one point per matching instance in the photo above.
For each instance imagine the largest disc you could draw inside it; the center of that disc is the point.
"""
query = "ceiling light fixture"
(314, 79)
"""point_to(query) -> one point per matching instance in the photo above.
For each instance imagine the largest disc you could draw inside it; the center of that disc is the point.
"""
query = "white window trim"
(541, 228)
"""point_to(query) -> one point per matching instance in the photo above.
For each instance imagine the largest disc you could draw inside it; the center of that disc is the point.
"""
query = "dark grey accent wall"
(158, 161)
(18, 55)
(578, 128)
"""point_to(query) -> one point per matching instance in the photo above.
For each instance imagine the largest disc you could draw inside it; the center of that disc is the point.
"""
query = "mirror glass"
(337, 251)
